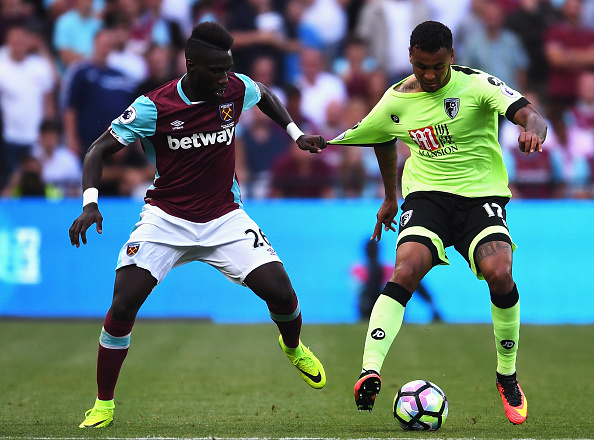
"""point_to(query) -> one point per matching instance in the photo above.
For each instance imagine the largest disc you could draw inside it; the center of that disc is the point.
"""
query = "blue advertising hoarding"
(321, 244)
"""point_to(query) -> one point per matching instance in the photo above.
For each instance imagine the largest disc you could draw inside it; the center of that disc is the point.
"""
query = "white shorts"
(233, 244)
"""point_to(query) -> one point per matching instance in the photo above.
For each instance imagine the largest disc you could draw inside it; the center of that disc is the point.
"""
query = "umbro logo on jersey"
(177, 124)
(451, 105)
(395, 118)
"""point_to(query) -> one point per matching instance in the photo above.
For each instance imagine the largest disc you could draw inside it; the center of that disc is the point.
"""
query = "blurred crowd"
(69, 67)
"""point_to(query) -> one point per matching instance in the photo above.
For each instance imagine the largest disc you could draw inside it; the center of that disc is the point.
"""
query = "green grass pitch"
(187, 379)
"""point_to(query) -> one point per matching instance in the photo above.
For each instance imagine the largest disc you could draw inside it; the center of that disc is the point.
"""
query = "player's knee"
(122, 310)
(499, 278)
(408, 275)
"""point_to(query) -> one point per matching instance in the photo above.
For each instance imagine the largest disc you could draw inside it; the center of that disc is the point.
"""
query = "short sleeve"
(252, 91)
(139, 120)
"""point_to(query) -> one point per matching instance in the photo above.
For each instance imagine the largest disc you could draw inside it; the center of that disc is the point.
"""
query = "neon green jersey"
(451, 133)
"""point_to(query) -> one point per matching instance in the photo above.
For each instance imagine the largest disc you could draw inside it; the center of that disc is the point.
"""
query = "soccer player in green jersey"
(455, 191)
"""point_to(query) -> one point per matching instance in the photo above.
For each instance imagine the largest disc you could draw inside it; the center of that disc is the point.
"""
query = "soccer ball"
(420, 406)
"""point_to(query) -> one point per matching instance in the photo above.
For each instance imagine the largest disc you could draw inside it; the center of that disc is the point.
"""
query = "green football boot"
(100, 416)
(309, 366)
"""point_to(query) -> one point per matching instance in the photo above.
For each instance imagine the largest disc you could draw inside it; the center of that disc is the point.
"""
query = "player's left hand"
(529, 142)
(313, 144)
(385, 219)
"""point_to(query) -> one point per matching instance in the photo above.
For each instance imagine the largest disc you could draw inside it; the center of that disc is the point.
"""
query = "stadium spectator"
(580, 139)
(301, 176)
(356, 68)
(92, 95)
(60, 167)
(328, 20)
(318, 86)
(463, 207)
(123, 58)
(193, 209)
(496, 50)
(74, 32)
(258, 30)
(127, 173)
(12, 13)
(27, 84)
(27, 181)
(569, 47)
(529, 22)
(160, 68)
(385, 26)
(262, 142)
(147, 25)
(303, 34)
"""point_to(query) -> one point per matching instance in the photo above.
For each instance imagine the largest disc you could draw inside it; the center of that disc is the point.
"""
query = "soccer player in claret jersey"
(193, 210)
(455, 191)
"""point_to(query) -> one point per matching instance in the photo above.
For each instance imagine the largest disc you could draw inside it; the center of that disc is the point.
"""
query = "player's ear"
(452, 56)
(190, 64)
(410, 54)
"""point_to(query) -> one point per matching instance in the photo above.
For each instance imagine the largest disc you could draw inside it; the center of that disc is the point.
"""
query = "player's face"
(432, 70)
(209, 76)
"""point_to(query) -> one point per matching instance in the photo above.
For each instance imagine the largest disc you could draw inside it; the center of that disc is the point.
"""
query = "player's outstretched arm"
(387, 159)
(103, 147)
(535, 129)
(275, 110)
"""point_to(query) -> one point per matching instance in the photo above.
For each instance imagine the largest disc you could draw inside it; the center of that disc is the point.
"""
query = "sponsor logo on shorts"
(378, 334)
(507, 343)
(405, 217)
(132, 249)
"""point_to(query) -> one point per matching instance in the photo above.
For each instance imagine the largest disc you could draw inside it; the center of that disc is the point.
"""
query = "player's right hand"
(385, 218)
(79, 227)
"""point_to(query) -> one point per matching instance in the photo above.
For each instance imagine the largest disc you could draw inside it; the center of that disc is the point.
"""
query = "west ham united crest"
(451, 105)
(132, 249)
(227, 111)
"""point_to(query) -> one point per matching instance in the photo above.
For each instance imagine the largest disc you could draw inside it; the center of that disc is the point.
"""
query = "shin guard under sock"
(505, 310)
(113, 348)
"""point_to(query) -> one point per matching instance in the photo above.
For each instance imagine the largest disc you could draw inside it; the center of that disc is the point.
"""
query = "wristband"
(294, 131)
(90, 195)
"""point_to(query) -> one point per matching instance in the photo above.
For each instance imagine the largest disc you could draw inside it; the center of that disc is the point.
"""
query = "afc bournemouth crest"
(451, 105)
(132, 249)
(227, 111)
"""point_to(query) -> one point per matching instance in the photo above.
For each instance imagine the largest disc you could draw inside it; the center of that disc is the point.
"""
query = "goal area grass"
(192, 379)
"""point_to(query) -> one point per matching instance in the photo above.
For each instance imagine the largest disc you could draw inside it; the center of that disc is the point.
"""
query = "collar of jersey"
(183, 96)
(439, 92)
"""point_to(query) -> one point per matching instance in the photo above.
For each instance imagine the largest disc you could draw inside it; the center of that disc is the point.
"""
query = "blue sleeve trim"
(252, 91)
(137, 121)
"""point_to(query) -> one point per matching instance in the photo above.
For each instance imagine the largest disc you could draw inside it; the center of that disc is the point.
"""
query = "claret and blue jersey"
(192, 145)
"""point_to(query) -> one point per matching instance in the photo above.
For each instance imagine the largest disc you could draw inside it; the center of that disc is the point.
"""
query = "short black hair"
(208, 35)
(430, 36)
